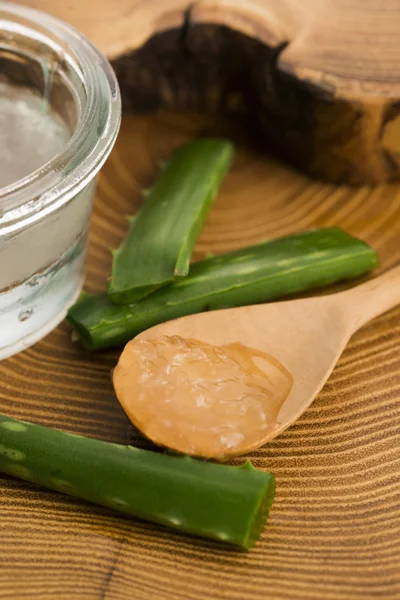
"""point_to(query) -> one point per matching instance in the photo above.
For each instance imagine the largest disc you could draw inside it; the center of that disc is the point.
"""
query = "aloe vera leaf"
(160, 240)
(216, 501)
(261, 273)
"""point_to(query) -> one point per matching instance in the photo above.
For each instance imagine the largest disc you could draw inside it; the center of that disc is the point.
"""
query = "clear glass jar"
(44, 217)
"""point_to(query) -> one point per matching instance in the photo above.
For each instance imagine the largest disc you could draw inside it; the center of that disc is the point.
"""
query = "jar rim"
(55, 183)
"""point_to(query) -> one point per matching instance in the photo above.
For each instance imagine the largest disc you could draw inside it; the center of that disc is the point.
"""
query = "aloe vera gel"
(31, 133)
(59, 116)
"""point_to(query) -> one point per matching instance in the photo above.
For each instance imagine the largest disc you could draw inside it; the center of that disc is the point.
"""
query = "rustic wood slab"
(320, 77)
(334, 530)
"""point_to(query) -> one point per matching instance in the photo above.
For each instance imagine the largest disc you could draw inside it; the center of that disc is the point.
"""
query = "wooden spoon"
(306, 336)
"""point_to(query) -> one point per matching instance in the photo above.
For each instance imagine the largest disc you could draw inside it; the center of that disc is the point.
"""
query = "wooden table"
(334, 530)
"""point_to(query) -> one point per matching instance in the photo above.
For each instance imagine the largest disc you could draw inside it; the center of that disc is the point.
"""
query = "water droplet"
(25, 314)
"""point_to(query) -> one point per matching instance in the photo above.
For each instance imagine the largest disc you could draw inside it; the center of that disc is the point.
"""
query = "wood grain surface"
(334, 529)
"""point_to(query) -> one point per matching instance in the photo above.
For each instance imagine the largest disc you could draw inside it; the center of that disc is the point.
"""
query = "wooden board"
(334, 530)
(321, 78)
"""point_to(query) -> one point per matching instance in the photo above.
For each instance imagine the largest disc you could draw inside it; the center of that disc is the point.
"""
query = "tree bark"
(317, 81)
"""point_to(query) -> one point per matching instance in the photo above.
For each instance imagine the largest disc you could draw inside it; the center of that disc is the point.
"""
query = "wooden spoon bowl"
(306, 336)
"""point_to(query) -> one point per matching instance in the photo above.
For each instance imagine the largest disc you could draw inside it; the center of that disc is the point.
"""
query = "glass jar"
(44, 217)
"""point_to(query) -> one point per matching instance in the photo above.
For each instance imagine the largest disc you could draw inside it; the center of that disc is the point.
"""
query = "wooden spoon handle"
(373, 298)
